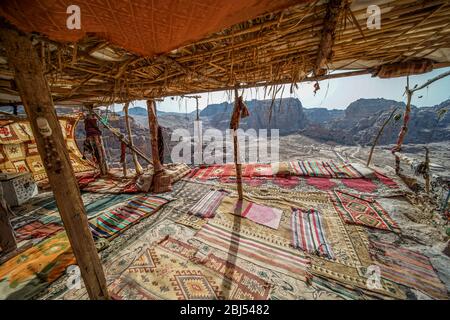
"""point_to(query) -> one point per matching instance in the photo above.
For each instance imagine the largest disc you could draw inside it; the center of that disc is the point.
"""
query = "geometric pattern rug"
(407, 267)
(173, 270)
(364, 211)
(18, 150)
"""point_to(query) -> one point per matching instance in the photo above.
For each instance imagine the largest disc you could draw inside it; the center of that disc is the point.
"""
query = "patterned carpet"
(176, 255)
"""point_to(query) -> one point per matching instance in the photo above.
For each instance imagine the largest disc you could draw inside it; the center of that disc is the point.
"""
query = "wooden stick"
(234, 125)
(7, 239)
(161, 182)
(153, 126)
(38, 104)
(122, 139)
(137, 165)
(375, 142)
(330, 23)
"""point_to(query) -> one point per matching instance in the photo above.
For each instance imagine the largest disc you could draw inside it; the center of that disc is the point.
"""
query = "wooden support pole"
(7, 239)
(122, 139)
(123, 158)
(137, 165)
(161, 182)
(330, 23)
(234, 125)
(37, 101)
(406, 116)
(99, 146)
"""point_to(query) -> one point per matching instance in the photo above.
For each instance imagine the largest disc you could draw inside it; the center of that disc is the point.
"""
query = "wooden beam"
(239, 110)
(161, 182)
(122, 139)
(7, 239)
(98, 142)
(180, 68)
(330, 23)
(137, 165)
(153, 127)
(37, 100)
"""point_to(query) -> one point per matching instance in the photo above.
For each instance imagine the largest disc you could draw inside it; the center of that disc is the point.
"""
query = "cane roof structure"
(132, 50)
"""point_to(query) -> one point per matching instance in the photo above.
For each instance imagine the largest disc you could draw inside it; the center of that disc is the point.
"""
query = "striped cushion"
(206, 207)
(115, 220)
(308, 232)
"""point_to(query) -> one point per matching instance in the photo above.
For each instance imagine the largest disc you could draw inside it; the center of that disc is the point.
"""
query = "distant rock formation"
(363, 118)
(284, 114)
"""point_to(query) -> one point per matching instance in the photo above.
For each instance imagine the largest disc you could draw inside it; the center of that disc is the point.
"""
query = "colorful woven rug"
(364, 211)
(116, 220)
(173, 270)
(266, 216)
(191, 221)
(325, 169)
(308, 233)
(37, 230)
(407, 267)
(32, 270)
(249, 170)
(206, 207)
(18, 150)
(263, 253)
(110, 184)
(40, 219)
(371, 184)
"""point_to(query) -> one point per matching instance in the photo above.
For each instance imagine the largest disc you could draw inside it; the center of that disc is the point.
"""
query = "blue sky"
(334, 94)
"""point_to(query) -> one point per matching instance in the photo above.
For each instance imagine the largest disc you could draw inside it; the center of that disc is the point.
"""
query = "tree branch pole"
(406, 116)
(122, 139)
(375, 142)
(161, 181)
(7, 239)
(137, 165)
(234, 125)
(102, 163)
(37, 101)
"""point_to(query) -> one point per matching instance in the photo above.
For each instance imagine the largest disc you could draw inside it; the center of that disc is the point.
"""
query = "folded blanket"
(206, 207)
(308, 232)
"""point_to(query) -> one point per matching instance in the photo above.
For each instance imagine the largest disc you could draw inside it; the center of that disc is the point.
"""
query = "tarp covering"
(147, 27)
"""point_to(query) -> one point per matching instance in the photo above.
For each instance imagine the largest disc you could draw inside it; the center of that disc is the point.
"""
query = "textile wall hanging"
(19, 153)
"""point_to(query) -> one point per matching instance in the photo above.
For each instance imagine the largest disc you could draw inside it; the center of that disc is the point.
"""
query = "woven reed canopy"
(131, 50)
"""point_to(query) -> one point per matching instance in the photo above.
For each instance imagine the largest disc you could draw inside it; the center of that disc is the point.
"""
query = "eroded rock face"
(364, 117)
(286, 115)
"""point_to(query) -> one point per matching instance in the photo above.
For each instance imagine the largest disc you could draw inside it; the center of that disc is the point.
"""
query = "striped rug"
(285, 260)
(325, 169)
(407, 267)
(206, 207)
(116, 220)
(308, 232)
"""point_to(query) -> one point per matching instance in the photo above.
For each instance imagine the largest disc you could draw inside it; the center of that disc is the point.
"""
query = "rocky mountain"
(357, 124)
(363, 118)
(284, 114)
(321, 115)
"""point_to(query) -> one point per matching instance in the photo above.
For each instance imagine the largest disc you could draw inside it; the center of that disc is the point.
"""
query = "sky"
(334, 93)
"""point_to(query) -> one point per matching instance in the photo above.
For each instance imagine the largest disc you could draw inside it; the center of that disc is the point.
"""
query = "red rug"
(365, 211)
(361, 185)
(321, 183)
(386, 180)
